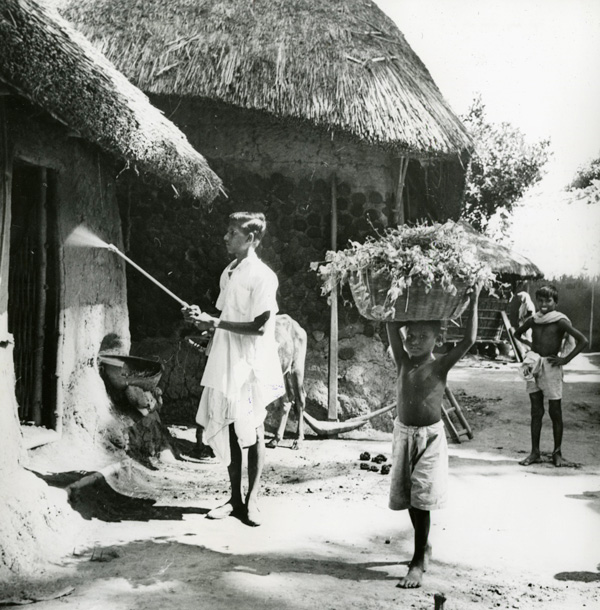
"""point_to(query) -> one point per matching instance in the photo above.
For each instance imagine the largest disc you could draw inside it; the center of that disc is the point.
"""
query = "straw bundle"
(45, 60)
(342, 66)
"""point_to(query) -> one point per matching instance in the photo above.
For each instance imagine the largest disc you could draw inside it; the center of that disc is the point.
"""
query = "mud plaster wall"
(93, 300)
(284, 170)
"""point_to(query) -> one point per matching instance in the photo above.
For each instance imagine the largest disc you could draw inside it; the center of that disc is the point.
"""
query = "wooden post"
(399, 216)
(5, 214)
(332, 398)
(40, 319)
(593, 282)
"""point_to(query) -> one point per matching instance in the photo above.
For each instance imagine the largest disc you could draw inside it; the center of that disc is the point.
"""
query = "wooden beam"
(511, 338)
(398, 213)
(332, 397)
(40, 319)
(5, 219)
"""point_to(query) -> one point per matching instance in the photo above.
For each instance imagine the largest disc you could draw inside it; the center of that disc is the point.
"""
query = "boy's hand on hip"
(557, 360)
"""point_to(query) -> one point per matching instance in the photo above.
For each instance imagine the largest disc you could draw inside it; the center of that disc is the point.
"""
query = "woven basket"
(370, 296)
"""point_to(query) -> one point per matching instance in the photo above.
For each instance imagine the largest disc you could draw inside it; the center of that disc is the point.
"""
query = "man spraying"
(242, 374)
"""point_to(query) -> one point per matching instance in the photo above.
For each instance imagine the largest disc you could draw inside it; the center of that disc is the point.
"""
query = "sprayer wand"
(172, 295)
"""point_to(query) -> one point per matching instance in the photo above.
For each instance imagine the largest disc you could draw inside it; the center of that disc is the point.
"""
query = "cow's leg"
(299, 395)
(283, 406)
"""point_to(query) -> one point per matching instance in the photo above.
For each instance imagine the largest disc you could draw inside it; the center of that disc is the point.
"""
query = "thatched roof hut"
(343, 66)
(503, 261)
(44, 59)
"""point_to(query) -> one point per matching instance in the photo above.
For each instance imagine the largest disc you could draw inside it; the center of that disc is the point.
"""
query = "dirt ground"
(511, 537)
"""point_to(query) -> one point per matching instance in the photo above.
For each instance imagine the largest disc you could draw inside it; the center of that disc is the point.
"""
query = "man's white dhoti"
(243, 373)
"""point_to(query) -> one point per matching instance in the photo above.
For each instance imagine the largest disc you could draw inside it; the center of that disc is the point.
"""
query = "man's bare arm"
(256, 327)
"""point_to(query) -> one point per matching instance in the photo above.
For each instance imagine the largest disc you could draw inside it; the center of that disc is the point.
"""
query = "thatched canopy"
(501, 259)
(44, 59)
(342, 65)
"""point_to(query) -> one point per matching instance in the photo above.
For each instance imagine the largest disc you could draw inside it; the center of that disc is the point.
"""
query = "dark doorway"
(33, 292)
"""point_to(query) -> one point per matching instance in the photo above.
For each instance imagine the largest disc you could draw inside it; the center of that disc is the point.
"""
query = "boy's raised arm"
(470, 336)
(393, 333)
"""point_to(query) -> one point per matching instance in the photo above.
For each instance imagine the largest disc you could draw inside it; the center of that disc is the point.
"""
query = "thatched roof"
(342, 65)
(44, 59)
(501, 259)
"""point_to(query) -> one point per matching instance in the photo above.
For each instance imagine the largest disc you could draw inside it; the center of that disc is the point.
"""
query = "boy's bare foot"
(426, 558)
(532, 458)
(413, 579)
(557, 458)
(226, 510)
(272, 443)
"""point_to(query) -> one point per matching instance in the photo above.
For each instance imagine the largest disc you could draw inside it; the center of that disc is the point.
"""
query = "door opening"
(33, 293)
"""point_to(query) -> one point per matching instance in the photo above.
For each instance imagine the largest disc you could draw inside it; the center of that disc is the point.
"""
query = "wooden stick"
(511, 339)
(171, 294)
(458, 411)
(439, 599)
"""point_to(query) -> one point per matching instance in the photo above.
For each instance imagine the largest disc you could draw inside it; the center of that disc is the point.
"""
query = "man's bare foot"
(272, 443)
(413, 579)
(226, 510)
(532, 458)
(253, 515)
(557, 458)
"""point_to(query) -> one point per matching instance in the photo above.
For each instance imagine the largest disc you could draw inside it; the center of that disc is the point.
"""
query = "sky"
(536, 65)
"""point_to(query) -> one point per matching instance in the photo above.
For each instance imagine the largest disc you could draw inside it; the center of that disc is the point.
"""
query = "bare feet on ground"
(272, 443)
(413, 579)
(557, 458)
(253, 516)
(532, 458)
(416, 569)
(226, 510)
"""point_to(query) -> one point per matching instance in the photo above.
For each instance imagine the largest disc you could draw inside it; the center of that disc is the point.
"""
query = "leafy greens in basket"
(424, 255)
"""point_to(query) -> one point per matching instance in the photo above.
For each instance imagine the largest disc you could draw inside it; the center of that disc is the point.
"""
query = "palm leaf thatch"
(342, 65)
(501, 259)
(44, 59)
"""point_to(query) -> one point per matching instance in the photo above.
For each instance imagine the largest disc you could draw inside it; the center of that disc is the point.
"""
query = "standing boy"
(420, 452)
(242, 374)
(543, 367)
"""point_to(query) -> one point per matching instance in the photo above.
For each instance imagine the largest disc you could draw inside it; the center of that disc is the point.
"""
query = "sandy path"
(512, 537)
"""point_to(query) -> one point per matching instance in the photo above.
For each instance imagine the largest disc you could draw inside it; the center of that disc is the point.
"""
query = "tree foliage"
(503, 166)
(587, 179)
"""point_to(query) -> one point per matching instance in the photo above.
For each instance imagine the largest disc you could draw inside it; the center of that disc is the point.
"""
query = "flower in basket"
(421, 272)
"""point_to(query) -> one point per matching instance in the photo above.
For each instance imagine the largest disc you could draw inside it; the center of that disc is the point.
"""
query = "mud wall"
(91, 283)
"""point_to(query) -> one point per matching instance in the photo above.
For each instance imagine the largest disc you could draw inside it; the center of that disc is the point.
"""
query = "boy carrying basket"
(420, 452)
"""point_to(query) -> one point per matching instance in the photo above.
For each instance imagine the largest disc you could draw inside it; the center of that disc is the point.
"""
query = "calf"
(291, 344)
